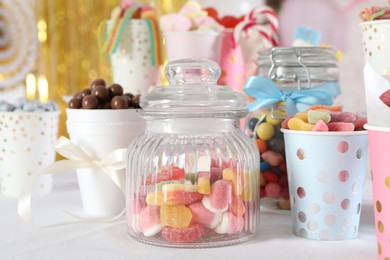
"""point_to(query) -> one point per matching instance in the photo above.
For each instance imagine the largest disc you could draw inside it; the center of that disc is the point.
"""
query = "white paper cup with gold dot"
(376, 45)
(379, 147)
(131, 64)
(26, 141)
(326, 172)
(99, 132)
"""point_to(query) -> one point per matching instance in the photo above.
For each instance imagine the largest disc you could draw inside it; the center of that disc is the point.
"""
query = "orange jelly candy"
(175, 216)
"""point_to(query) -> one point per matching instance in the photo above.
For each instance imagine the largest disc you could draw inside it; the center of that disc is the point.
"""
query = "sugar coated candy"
(178, 216)
(219, 198)
(204, 216)
(183, 235)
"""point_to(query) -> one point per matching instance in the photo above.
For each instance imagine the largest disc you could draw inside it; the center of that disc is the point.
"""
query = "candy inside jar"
(193, 176)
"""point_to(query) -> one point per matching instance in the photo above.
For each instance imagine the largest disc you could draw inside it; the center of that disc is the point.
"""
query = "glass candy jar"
(291, 71)
(193, 176)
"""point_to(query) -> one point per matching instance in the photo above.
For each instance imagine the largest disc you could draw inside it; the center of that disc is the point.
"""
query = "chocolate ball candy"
(100, 92)
(118, 102)
(136, 100)
(115, 90)
(130, 102)
(84, 92)
(90, 102)
(97, 82)
(74, 103)
(129, 95)
(106, 105)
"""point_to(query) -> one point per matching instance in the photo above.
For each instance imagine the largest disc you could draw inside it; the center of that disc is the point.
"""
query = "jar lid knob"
(192, 72)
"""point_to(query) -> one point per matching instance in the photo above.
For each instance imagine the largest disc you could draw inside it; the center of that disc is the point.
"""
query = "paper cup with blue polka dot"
(379, 147)
(326, 172)
(26, 146)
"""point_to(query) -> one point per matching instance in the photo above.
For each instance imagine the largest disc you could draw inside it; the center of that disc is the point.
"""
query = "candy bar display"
(193, 176)
(289, 80)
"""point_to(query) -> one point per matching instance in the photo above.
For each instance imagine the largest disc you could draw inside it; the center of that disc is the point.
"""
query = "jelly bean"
(237, 182)
(283, 180)
(265, 131)
(285, 122)
(273, 158)
(230, 224)
(315, 115)
(183, 235)
(237, 206)
(215, 174)
(334, 108)
(303, 116)
(264, 166)
(345, 117)
(261, 145)
(283, 167)
(270, 176)
(219, 198)
(385, 97)
(272, 120)
(204, 183)
(285, 193)
(204, 216)
(262, 192)
(150, 221)
(277, 171)
(262, 179)
(178, 216)
(320, 126)
(252, 123)
(276, 145)
(298, 124)
(340, 126)
(272, 189)
(359, 123)
(284, 204)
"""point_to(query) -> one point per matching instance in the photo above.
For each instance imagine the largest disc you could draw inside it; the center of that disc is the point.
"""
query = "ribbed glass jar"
(290, 69)
(193, 176)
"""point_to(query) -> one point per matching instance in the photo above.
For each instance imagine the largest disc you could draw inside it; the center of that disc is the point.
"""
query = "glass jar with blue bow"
(290, 79)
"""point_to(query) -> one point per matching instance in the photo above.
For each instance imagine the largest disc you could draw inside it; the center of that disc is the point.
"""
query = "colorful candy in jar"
(181, 209)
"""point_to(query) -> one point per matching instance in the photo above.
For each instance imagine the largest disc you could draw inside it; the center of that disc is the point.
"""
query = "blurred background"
(66, 57)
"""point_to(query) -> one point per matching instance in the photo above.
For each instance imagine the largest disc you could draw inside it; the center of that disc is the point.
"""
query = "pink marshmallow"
(204, 216)
(345, 117)
(340, 126)
(320, 126)
(230, 224)
(150, 221)
(175, 22)
(219, 198)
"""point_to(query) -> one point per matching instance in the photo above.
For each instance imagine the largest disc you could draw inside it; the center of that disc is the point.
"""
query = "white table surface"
(60, 236)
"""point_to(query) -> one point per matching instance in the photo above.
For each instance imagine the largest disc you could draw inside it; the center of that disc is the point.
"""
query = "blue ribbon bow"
(267, 94)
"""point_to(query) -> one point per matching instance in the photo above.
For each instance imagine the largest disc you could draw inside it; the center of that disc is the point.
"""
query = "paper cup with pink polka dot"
(326, 173)
(131, 64)
(26, 141)
(379, 147)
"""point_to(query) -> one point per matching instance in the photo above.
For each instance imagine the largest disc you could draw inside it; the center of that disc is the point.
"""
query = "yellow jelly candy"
(303, 116)
(265, 131)
(298, 124)
(204, 185)
(237, 182)
(155, 198)
(175, 216)
(271, 120)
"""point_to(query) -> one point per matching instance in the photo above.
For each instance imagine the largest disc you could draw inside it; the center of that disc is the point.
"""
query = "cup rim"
(329, 133)
(31, 113)
(376, 128)
(374, 22)
(195, 32)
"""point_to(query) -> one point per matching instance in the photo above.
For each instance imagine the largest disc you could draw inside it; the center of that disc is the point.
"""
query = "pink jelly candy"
(320, 126)
(340, 126)
(183, 235)
(150, 221)
(204, 216)
(219, 198)
(230, 224)
(345, 117)
(359, 123)
(385, 97)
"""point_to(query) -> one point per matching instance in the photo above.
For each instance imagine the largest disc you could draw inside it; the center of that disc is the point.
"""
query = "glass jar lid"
(193, 92)
(298, 67)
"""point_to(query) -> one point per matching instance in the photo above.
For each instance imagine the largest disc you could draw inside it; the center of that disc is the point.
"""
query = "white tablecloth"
(76, 240)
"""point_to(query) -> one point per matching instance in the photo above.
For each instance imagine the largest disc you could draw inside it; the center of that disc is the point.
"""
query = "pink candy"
(150, 221)
(204, 216)
(345, 117)
(320, 126)
(230, 224)
(385, 97)
(218, 200)
(340, 126)
(183, 235)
